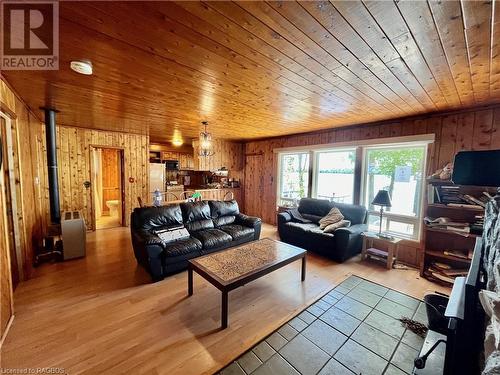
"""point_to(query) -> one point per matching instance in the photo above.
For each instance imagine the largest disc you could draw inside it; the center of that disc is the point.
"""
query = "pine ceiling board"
(419, 20)
(351, 40)
(259, 29)
(449, 22)
(367, 28)
(214, 66)
(477, 22)
(231, 35)
(297, 15)
(495, 54)
(257, 70)
(392, 23)
(294, 69)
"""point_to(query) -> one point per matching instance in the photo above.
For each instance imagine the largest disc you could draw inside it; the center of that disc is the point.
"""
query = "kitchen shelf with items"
(454, 217)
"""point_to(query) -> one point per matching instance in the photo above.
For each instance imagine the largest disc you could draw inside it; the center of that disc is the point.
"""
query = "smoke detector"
(82, 67)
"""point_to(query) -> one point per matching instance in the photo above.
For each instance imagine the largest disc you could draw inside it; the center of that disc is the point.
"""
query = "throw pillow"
(334, 216)
(333, 227)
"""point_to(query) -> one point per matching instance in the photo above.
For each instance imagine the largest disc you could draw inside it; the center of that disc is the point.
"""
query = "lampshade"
(382, 199)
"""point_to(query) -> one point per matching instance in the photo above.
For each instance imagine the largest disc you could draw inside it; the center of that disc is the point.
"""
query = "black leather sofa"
(340, 245)
(212, 225)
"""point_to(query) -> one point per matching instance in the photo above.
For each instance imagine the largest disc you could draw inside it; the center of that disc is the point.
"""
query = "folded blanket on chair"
(297, 217)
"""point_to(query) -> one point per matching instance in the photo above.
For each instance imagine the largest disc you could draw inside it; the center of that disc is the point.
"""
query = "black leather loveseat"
(212, 225)
(340, 245)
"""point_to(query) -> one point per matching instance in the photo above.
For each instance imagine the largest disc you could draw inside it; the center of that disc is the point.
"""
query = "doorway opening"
(107, 187)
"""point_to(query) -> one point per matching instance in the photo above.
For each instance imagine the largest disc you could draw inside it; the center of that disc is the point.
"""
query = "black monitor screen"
(479, 168)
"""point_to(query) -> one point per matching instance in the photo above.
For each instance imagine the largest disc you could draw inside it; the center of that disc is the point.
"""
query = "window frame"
(401, 218)
(315, 171)
(281, 155)
(360, 147)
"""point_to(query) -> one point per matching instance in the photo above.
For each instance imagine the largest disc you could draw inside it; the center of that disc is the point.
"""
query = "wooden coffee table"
(232, 268)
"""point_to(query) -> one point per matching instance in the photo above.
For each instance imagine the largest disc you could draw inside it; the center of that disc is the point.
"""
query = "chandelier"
(206, 147)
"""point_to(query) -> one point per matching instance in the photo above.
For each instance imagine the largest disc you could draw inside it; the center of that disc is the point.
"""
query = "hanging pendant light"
(206, 147)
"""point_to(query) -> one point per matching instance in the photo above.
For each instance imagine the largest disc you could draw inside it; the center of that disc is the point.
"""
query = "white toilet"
(113, 207)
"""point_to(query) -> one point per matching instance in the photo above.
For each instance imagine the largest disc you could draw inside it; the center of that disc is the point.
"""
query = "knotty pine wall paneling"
(74, 158)
(472, 129)
(25, 127)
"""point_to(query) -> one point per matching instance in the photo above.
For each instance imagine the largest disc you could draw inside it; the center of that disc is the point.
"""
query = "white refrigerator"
(156, 177)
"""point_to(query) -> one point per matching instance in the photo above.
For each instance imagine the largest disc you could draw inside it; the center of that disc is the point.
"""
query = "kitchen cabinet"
(169, 155)
(186, 161)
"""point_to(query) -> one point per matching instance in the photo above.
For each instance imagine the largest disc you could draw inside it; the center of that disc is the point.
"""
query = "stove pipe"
(50, 136)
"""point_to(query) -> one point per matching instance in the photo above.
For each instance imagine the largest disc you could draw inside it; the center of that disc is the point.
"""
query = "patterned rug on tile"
(353, 329)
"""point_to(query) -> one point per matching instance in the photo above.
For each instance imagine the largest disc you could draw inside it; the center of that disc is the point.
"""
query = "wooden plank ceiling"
(260, 69)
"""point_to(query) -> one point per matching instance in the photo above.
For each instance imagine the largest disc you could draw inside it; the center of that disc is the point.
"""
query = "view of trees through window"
(399, 171)
(294, 178)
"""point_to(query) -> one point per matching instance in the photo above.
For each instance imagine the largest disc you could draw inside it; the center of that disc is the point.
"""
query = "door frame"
(10, 165)
(121, 150)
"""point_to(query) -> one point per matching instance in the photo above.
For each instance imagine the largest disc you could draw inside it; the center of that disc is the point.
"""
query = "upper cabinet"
(160, 153)
(186, 161)
(226, 155)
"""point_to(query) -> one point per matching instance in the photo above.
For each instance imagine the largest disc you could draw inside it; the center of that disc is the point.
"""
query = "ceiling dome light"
(82, 67)
(177, 142)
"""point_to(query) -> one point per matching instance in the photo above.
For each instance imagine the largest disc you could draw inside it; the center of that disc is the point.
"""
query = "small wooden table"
(392, 244)
(229, 269)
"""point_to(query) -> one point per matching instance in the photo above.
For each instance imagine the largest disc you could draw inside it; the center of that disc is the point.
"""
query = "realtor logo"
(30, 35)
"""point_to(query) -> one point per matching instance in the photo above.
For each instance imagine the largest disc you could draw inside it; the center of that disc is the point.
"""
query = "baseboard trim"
(7, 328)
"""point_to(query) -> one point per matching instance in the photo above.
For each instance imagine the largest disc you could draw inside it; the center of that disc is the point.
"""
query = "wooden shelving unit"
(437, 240)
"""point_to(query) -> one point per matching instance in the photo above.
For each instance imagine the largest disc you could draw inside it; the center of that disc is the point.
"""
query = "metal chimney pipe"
(50, 137)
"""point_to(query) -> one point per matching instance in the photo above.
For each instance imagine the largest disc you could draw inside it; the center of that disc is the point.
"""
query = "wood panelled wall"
(27, 192)
(74, 158)
(474, 129)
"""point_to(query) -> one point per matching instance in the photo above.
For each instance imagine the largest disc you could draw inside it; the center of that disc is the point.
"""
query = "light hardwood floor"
(100, 314)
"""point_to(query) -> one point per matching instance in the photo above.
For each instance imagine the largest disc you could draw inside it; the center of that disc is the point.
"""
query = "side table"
(390, 254)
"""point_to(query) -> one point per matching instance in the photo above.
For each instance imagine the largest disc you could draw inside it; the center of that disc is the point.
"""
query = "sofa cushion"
(211, 238)
(194, 226)
(237, 232)
(223, 208)
(332, 217)
(354, 213)
(224, 220)
(314, 207)
(149, 218)
(194, 211)
(331, 228)
(184, 246)
(300, 227)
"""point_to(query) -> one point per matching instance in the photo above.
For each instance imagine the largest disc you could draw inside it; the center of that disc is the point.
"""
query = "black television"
(479, 168)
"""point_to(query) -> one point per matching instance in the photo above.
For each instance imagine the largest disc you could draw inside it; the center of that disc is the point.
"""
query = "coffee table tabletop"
(234, 267)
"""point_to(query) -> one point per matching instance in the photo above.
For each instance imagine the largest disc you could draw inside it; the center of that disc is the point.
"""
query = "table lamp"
(382, 199)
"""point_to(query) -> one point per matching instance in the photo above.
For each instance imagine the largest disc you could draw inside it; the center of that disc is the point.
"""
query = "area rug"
(352, 329)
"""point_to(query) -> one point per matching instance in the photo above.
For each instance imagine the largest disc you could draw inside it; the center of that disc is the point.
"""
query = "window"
(342, 175)
(398, 169)
(293, 178)
(334, 179)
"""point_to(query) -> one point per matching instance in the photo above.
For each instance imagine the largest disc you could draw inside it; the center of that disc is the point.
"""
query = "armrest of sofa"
(284, 217)
(348, 240)
(148, 250)
(251, 222)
